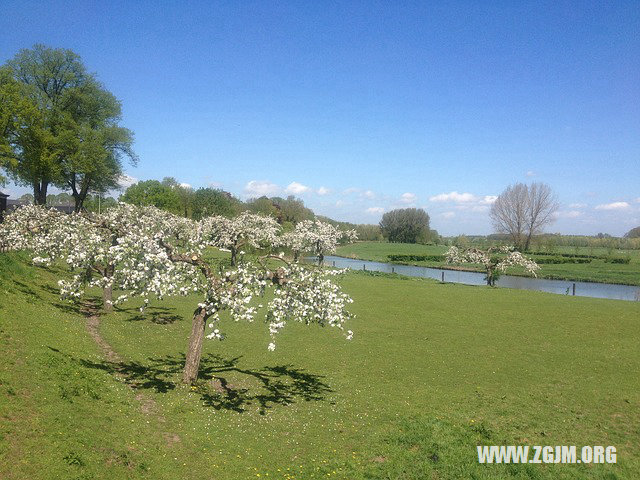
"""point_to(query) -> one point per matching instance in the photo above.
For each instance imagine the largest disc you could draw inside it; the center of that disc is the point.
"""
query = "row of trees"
(59, 126)
(145, 252)
(168, 194)
(182, 200)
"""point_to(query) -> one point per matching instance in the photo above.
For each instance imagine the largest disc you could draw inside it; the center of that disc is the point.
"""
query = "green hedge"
(624, 260)
(560, 260)
(416, 258)
(567, 255)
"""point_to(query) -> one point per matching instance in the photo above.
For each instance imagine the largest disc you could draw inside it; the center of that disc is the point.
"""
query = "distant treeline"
(551, 243)
(180, 199)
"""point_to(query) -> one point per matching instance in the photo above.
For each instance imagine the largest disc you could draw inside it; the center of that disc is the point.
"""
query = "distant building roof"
(15, 203)
(3, 195)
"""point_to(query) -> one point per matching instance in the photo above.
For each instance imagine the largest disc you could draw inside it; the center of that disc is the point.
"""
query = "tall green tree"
(407, 225)
(291, 210)
(185, 192)
(153, 192)
(22, 138)
(93, 144)
(212, 201)
(59, 125)
(263, 206)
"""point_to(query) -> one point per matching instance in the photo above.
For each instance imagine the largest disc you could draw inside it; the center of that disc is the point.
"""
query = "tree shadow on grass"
(262, 388)
(27, 290)
(157, 315)
(87, 305)
(37, 293)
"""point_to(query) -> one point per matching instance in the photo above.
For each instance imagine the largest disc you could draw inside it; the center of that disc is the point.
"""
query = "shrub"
(416, 258)
(622, 260)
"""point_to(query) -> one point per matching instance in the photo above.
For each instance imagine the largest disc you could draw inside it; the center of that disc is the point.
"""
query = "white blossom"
(494, 259)
(145, 252)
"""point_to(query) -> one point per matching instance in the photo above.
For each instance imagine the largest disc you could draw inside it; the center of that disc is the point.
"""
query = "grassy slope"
(433, 371)
(596, 271)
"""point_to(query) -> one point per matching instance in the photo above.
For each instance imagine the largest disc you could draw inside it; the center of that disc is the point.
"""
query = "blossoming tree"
(317, 238)
(105, 251)
(148, 252)
(495, 260)
(247, 229)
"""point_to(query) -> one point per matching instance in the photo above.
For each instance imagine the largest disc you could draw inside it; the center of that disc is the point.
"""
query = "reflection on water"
(563, 287)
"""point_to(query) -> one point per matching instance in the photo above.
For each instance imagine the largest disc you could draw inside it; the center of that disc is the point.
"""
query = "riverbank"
(558, 287)
(596, 271)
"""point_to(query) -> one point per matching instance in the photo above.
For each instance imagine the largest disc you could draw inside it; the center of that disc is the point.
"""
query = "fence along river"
(562, 287)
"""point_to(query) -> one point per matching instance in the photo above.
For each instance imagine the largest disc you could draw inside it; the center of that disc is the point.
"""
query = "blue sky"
(361, 107)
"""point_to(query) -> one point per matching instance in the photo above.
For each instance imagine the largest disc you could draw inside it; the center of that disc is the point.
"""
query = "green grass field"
(433, 370)
(596, 271)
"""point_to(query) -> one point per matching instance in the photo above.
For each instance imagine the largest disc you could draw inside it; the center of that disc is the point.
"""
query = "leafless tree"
(523, 211)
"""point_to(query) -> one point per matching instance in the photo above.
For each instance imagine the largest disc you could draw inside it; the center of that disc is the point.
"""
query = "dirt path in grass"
(148, 406)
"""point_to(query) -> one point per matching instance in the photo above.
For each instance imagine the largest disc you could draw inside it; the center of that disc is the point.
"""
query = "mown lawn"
(433, 370)
(597, 271)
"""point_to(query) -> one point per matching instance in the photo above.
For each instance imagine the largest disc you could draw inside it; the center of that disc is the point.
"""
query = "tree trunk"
(78, 203)
(192, 363)
(81, 195)
(320, 259)
(234, 253)
(107, 298)
(40, 193)
(490, 281)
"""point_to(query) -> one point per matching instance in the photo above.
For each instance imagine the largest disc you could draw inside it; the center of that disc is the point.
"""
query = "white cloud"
(531, 173)
(339, 204)
(448, 214)
(186, 185)
(577, 205)
(488, 199)
(258, 188)
(214, 184)
(125, 181)
(408, 198)
(295, 188)
(323, 191)
(350, 190)
(375, 210)
(613, 206)
(453, 197)
(568, 214)
(466, 201)
(638, 200)
(369, 194)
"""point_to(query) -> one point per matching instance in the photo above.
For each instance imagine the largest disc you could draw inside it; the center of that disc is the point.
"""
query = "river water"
(561, 287)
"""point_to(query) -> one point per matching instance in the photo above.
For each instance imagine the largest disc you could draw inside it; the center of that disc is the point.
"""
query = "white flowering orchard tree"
(52, 235)
(299, 293)
(247, 229)
(106, 251)
(146, 252)
(316, 237)
(495, 260)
